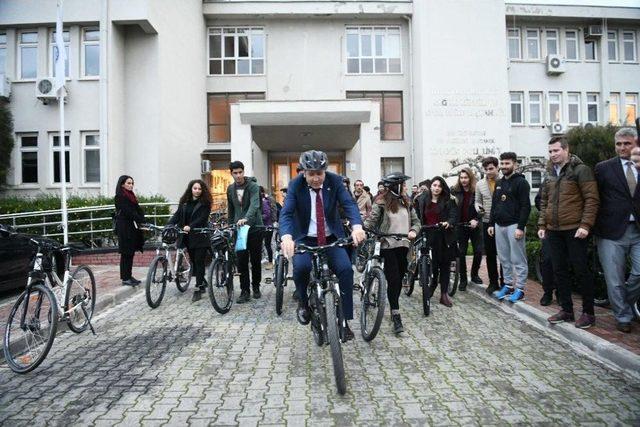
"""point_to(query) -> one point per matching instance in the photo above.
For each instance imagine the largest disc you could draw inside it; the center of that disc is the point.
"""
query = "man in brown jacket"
(568, 207)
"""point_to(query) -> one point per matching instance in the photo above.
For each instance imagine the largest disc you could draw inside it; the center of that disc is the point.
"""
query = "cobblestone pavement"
(184, 363)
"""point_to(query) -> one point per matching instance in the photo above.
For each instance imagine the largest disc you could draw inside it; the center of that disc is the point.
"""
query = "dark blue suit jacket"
(616, 202)
(296, 212)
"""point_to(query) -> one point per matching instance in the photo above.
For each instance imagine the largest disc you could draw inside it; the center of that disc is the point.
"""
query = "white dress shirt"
(313, 223)
(626, 163)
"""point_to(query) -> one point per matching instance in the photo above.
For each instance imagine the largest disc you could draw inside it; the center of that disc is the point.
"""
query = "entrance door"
(282, 168)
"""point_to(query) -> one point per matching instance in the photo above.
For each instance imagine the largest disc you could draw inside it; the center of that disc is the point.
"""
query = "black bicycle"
(46, 300)
(328, 324)
(280, 271)
(220, 275)
(373, 287)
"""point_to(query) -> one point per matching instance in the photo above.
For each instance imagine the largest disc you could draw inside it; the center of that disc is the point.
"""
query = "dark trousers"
(466, 234)
(198, 256)
(339, 263)
(567, 251)
(441, 271)
(395, 267)
(253, 253)
(126, 264)
(491, 255)
(267, 235)
(546, 267)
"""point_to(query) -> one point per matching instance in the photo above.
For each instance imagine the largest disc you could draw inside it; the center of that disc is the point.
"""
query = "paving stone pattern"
(185, 364)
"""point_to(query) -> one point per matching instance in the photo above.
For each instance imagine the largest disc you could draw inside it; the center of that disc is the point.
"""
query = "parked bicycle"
(328, 324)
(46, 300)
(222, 269)
(163, 268)
(373, 287)
(280, 272)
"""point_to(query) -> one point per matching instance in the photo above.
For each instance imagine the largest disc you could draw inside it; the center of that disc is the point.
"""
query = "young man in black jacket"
(510, 210)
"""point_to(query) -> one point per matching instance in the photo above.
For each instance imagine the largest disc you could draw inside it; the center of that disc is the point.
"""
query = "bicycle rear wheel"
(373, 302)
(156, 281)
(27, 344)
(454, 278)
(81, 291)
(409, 279)
(333, 336)
(183, 273)
(220, 284)
(280, 277)
(425, 275)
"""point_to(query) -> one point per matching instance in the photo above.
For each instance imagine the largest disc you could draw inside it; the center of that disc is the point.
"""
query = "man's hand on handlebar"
(287, 245)
(358, 235)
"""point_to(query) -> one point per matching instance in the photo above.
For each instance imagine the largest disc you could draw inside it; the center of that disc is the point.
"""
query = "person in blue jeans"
(310, 216)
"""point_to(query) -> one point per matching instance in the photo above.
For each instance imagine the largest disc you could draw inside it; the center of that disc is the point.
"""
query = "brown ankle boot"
(444, 300)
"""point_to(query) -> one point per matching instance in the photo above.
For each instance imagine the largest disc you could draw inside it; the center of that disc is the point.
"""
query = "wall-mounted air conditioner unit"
(555, 64)
(205, 166)
(5, 87)
(557, 128)
(593, 32)
(45, 90)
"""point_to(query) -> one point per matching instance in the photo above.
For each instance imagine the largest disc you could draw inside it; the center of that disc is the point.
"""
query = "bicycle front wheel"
(362, 255)
(409, 279)
(81, 291)
(156, 281)
(183, 273)
(220, 284)
(454, 278)
(279, 281)
(425, 275)
(373, 302)
(31, 328)
(333, 336)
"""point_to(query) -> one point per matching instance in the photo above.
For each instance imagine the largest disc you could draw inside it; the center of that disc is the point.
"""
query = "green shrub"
(592, 144)
(6, 141)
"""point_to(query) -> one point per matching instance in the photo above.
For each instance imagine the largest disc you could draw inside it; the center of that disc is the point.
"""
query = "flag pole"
(60, 76)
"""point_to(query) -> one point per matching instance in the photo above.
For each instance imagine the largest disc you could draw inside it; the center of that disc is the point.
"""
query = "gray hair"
(626, 132)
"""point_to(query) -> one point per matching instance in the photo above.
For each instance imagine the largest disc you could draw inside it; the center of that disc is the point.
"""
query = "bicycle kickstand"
(86, 316)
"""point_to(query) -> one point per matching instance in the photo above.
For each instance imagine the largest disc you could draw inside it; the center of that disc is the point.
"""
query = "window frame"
(519, 38)
(537, 39)
(574, 103)
(556, 39)
(52, 149)
(615, 49)
(597, 105)
(52, 46)
(384, 94)
(559, 103)
(84, 148)
(627, 104)
(349, 29)
(385, 159)
(634, 40)
(20, 45)
(566, 44)
(21, 150)
(539, 108)
(249, 31)
(210, 124)
(3, 47)
(83, 44)
(521, 104)
(596, 58)
(613, 95)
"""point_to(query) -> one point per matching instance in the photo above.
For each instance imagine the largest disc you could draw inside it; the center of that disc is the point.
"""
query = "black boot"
(397, 324)
(197, 295)
(244, 297)
(547, 299)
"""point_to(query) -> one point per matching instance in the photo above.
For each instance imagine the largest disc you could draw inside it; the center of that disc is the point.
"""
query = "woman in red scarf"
(129, 216)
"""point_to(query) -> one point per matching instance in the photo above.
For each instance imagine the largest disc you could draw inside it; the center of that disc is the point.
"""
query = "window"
(536, 179)
(590, 50)
(391, 114)
(29, 158)
(236, 51)
(573, 108)
(552, 42)
(614, 103)
(3, 52)
(631, 108)
(219, 114)
(513, 43)
(28, 55)
(90, 52)
(629, 46)
(533, 44)
(373, 50)
(612, 45)
(91, 158)
(592, 107)
(55, 158)
(54, 52)
(391, 164)
(516, 108)
(555, 107)
(571, 41)
(535, 108)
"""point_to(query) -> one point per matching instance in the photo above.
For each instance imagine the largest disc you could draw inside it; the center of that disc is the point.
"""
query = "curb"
(581, 340)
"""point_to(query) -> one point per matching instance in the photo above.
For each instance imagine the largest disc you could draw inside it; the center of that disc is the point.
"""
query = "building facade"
(168, 91)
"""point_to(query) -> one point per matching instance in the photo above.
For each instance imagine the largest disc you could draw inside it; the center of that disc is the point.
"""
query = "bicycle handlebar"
(396, 236)
(302, 248)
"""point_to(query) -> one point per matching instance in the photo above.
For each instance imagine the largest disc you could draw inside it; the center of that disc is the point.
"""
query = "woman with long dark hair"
(392, 214)
(193, 212)
(129, 216)
(437, 207)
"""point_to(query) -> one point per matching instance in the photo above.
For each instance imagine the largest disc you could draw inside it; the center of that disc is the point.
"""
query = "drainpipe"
(411, 106)
(104, 98)
(603, 102)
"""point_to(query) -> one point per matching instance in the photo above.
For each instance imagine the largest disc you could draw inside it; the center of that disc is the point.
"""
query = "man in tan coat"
(362, 199)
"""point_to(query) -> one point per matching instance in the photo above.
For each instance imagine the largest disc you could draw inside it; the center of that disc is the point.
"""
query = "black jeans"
(198, 256)
(441, 273)
(567, 251)
(466, 234)
(126, 264)
(491, 255)
(267, 235)
(395, 266)
(253, 253)
(546, 267)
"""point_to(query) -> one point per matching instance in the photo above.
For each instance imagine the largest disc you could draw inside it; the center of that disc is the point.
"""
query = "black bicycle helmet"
(169, 235)
(394, 181)
(313, 160)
